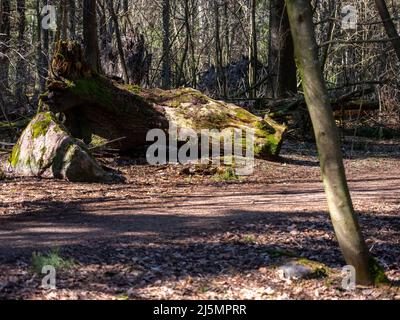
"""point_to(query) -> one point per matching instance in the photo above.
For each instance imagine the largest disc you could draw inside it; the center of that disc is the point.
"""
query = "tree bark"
(166, 58)
(220, 73)
(253, 52)
(5, 37)
(64, 20)
(21, 65)
(281, 64)
(181, 69)
(90, 37)
(114, 17)
(72, 19)
(389, 25)
(43, 47)
(344, 219)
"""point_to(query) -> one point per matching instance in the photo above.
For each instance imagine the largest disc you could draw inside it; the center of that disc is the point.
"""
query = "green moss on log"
(270, 146)
(245, 115)
(270, 139)
(135, 89)
(92, 88)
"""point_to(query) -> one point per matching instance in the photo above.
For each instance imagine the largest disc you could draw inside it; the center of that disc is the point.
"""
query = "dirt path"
(164, 235)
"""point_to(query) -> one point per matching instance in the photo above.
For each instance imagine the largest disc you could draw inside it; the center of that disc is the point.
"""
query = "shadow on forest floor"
(167, 245)
(148, 230)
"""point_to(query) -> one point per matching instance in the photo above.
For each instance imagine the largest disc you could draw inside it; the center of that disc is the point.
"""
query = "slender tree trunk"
(44, 53)
(281, 64)
(253, 54)
(166, 58)
(187, 43)
(104, 38)
(227, 47)
(72, 19)
(344, 219)
(64, 20)
(192, 35)
(330, 34)
(21, 64)
(5, 37)
(389, 25)
(43, 47)
(90, 37)
(220, 77)
(114, 17)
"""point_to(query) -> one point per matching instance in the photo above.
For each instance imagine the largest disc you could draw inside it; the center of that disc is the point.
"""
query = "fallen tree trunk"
(99, 109)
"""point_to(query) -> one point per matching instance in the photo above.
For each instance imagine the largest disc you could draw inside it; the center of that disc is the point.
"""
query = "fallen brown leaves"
(168, 235)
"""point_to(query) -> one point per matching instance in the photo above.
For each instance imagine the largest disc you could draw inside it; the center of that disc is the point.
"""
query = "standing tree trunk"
(166, 57)
(114, 17)
(344, 219)
(192, 36)
(253, 50)
(227, 47)
(5, 37)
(64, 20)
(185, 51)
(21, 65)
(389, 25)
(281, 64)
(90, 39)
(220, 74)
(330, 34)
(43, 48)
(72, 19)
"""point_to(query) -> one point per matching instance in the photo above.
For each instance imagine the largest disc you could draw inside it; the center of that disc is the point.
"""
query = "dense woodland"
(82, 83)
(228, 49)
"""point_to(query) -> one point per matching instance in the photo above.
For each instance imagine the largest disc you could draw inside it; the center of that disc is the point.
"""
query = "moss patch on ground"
(378, 273)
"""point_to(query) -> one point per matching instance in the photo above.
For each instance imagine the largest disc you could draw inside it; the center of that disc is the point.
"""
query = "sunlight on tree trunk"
(343, 217)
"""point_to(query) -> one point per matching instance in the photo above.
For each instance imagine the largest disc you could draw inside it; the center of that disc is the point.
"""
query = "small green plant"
(228, 175)
(249, 239)
(52, 258)
(204, 289)
(279, 252)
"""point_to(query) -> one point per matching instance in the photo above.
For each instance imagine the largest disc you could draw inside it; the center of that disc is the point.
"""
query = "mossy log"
(97, 108)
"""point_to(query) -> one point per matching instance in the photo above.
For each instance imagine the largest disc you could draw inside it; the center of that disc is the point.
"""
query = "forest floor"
(167, 235)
